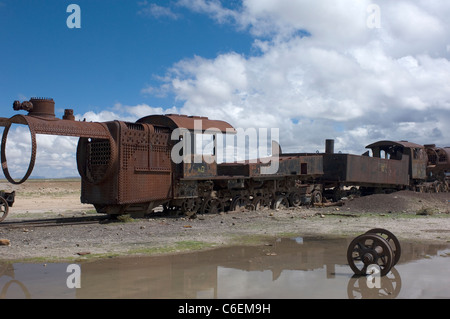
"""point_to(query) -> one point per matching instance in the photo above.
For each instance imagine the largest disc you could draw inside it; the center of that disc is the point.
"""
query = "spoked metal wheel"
(239, 204)
(280, 202)
(4, 208)
(212, 206)
(190, 206)
(295, 199)
(260, 203)
(391, 239)
(317, 197)
(370, 249)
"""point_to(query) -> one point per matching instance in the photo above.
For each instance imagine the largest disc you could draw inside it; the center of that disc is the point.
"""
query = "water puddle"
(284, 268)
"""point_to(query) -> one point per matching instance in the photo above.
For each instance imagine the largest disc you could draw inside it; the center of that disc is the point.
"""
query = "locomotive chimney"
(329, 146)
(43, 107)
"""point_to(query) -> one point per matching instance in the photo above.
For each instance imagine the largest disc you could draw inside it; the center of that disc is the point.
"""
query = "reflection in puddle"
(285, 268)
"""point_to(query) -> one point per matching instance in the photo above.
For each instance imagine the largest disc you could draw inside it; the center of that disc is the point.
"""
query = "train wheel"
(190, 206)
(280, 202)
(370, 249)
(212, 206)
(259, 203)
(317, 197)
(391, 239)
(3, 209)
(295, 199)
(239, 204)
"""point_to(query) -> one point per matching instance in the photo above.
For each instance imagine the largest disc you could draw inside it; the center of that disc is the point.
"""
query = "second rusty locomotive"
(129, 168)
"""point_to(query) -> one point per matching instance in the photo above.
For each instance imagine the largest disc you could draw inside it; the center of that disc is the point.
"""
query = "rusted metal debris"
(377, 247)
(130, 167)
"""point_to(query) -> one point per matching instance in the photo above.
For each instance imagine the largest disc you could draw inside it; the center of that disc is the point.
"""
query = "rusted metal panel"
(364, 170)
(145, 166)
(233, 169)
(174, 121)
(395, 150)
(307, 166)
(394, 143)
(200, 166)
(185, 189)
(418, 169)
(98, 166)
(438, 161)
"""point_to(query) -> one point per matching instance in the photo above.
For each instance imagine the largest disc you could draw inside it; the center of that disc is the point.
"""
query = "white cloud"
(55, 155)
(156, 11)
(317, 71)
(342, 80)
(213, 8)
(124, 113)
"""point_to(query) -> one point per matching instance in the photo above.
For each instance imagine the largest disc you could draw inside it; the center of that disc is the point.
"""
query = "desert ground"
(410, 216)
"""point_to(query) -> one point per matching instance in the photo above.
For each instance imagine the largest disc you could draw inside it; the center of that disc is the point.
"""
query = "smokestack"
(329, 146)
(37, 106)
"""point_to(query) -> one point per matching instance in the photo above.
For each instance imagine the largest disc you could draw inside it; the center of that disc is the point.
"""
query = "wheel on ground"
(190, 206)
(317, 197)
(370, 249)
(295, 199)
(239, 204)
(212, 206)
(259, 203)
(391, 239)
(280, 202)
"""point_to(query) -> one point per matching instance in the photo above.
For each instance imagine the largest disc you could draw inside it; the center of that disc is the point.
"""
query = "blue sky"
(119, 50)
(354, 71)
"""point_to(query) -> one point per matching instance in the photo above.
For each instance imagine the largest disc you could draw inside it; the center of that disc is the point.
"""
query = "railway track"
(51, 222)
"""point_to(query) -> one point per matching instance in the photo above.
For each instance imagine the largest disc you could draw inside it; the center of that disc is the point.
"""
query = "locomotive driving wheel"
(317, 197)
(190, 206)
(239, 204)
(295, 199)
(212, 206)
(280, 202)
(260, 202)
(370, 249)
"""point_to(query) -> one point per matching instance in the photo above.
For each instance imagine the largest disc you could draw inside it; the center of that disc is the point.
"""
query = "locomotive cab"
(193, 143)
(398, 150)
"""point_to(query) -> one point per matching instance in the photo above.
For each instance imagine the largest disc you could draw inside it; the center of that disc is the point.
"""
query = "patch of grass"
(288, 235)
(253, 239)
(180, 246)
(426, 211)
(55, 259)
(125, 218)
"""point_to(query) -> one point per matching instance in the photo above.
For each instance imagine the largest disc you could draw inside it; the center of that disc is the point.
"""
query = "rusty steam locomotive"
(129, 168)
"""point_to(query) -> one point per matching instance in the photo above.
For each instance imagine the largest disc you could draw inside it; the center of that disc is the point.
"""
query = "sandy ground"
(396, 212)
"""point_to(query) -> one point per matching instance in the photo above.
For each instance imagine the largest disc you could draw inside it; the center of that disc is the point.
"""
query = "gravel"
(154, 234)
